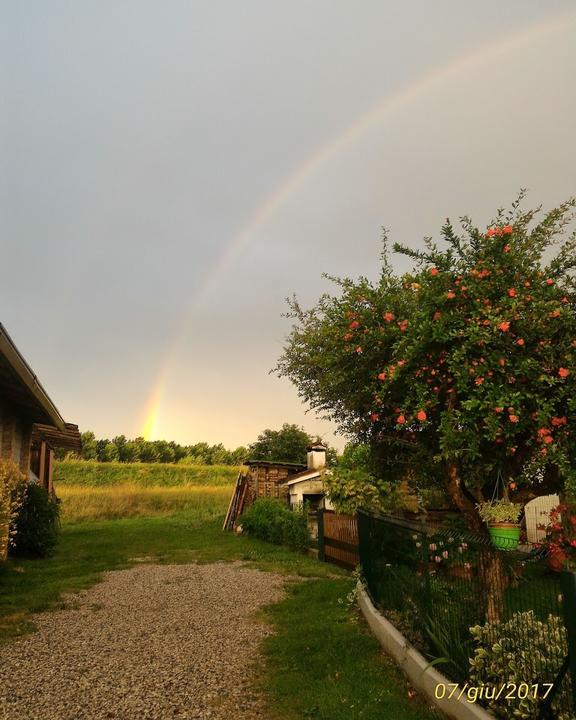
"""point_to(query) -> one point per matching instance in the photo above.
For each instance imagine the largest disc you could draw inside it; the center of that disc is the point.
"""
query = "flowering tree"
(460, 371)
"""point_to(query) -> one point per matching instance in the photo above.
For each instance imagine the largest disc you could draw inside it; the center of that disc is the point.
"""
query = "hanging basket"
(504, 536)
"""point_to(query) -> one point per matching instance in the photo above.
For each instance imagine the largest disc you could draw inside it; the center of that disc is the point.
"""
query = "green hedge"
(275, 522)
(90, 472)
(37, 524)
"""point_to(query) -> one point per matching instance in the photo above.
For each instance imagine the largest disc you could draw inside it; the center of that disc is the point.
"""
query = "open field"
(95, 474)
(112, 502)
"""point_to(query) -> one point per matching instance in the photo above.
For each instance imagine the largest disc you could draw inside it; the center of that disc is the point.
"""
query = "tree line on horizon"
(123, 449)
(288, 444)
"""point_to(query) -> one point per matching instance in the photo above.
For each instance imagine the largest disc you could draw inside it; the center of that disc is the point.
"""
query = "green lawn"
(321, 663)
(95, 474)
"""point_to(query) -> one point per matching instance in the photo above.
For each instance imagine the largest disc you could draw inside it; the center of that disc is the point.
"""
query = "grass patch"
(86, 549)
(113, 502)
(322, 664)
(95, 474)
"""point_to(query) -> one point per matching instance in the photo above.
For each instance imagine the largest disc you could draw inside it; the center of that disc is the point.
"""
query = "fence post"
(364, 554)
(568, 586)
(321, 553)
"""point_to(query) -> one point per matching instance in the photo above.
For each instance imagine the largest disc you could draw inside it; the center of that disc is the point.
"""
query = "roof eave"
(29, 379)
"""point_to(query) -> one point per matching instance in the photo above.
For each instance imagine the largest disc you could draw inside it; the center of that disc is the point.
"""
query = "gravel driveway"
(154, 641)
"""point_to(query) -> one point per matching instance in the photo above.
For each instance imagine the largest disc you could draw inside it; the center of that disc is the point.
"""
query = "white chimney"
(316, 455)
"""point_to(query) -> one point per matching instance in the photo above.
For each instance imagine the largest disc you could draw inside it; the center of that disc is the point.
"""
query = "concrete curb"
(423, 677)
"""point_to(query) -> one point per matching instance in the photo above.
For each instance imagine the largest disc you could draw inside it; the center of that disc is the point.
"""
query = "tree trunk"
(462, 498)
(492, 574)
(494, 581)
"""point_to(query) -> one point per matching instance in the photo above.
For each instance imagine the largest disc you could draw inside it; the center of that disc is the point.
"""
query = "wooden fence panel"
(338, 539)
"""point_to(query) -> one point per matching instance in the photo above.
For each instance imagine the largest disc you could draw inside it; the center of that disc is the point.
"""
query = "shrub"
(37, 523)
(275, 522)
(524, 651)
(12, 484)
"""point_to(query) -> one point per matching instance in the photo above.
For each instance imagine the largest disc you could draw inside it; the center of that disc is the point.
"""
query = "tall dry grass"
(129, 500)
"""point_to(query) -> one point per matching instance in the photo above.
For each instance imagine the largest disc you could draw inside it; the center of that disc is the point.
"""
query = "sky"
(171, 171)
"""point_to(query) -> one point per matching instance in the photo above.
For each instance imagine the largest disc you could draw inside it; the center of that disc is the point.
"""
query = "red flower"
(348, 336)
(400, 419)
(543, 432)
(479, 380)
(559, 421)
(374, 417)
(434, 271)
(354, 324)
(513, 418)
(491, 232)
(504, 326)
(548, 439)
(563, 372)
(450, 295)
(498, 410)
(382, 376)
(359, 349)
(501, 362)
(421, 415)
(555, 313)
(564, 300)
(388, 316)
(512, 292)
(549, 281)
(506, 248)
(403, 325)
(520, 342)
(507, 229)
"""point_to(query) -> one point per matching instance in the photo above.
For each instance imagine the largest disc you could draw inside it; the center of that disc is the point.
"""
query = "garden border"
(421, 674)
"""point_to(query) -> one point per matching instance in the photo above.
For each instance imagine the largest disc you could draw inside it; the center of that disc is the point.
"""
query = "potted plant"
(501, 517)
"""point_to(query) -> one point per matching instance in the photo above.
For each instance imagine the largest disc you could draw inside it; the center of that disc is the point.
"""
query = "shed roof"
(69, 438)
(266, 463)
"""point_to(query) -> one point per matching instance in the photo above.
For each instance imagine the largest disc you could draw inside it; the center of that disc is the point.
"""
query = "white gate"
(537, 512)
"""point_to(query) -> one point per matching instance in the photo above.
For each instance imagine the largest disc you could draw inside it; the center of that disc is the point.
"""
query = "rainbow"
(493, 52)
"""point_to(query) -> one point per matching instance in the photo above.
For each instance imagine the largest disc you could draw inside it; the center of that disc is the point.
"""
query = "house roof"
(21, 388)
(303, 476)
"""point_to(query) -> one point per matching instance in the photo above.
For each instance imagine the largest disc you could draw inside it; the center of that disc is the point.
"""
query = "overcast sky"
(171, 171)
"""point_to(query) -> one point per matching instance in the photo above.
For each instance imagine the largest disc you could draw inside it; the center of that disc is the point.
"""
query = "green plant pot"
(504, 536)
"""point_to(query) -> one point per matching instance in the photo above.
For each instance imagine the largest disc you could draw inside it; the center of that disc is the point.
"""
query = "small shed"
(259, 479)
(291, 482)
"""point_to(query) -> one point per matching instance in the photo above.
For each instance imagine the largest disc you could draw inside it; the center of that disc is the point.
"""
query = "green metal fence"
(498, 623)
